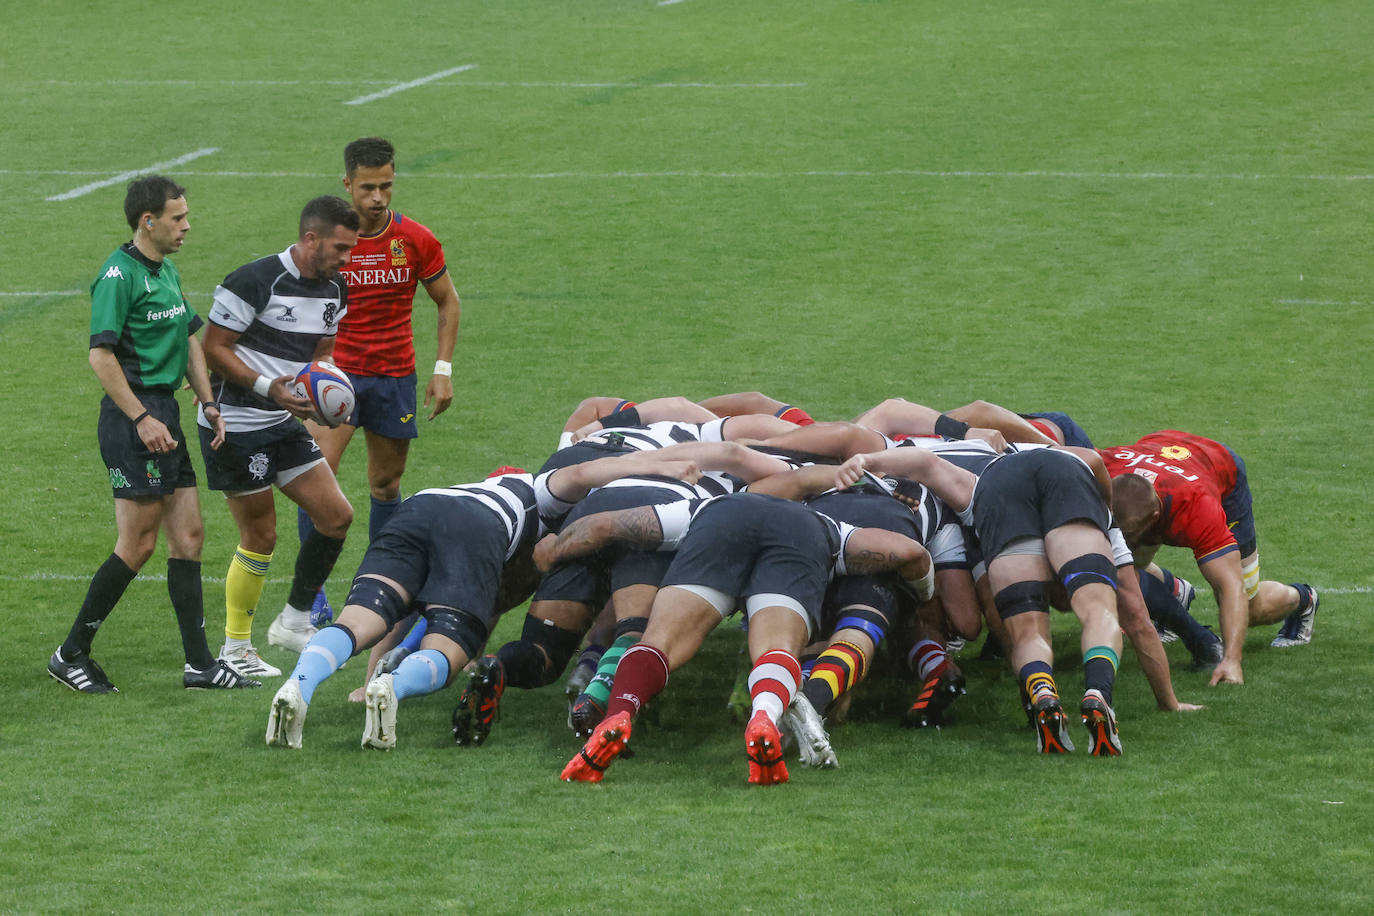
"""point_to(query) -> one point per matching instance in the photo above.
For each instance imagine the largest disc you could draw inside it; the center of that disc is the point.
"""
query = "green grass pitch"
(1149, 214)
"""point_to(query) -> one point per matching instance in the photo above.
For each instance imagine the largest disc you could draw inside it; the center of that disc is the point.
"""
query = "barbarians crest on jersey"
(257, 465)
(1175, 453)
(330, 308)
(398, 253)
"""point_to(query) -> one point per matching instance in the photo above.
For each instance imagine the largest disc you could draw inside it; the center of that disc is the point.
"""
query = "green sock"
(600, 687)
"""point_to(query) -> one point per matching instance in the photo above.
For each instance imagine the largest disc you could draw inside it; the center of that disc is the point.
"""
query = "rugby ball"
(329, 389)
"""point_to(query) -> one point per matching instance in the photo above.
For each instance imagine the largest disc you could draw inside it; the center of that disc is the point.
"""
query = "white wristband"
(262, 385)
(443, 367)
(924, 587)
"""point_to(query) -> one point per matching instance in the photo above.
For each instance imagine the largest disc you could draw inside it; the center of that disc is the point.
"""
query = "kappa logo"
(257, 465)
(117, 479)
(113, 273)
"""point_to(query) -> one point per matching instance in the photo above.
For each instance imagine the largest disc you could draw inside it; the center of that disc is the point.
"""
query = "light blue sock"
(421, 673)
(327, 650)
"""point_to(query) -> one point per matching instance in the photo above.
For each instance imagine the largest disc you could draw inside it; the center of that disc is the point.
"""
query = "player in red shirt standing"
(1184, 490)
(375, 344)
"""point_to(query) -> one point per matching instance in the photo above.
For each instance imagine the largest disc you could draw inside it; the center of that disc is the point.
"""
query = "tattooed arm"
(874, 550)
(638, 529)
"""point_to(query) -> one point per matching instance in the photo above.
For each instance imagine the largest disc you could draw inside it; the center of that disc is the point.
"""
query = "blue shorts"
(1073, 433)
(1240, 514)
(385, 405)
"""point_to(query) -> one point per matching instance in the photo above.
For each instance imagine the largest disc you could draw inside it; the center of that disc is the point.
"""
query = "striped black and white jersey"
(711, 483)
(973, 455)
(675, 520)
(280, 317)
(659, 435)
(930, 522)
(512, 498)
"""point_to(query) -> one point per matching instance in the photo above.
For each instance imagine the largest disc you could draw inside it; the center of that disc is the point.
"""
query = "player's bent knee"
(1088, 569)
(556, 643)
(1022, 598)
(866, 620)
(378, 597)
(465, 629)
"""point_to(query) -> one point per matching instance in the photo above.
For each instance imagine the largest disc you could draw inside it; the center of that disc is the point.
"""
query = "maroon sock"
(640, 676)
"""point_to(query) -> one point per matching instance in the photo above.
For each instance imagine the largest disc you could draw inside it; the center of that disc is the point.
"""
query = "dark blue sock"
(304, 527)
(417, 633)
(1166, 610)
(381, 513)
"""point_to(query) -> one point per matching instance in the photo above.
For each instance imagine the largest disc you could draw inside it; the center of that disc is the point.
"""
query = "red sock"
(641, 675)
(773, 682)
(928, 659)
(795, 415)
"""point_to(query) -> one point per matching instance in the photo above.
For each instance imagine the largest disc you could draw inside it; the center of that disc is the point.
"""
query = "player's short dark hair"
(322, 214)
(368, 152)
(149, 194)
(1133, 498)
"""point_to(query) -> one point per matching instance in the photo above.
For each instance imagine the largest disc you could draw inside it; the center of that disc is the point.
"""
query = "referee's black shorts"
(135, 472)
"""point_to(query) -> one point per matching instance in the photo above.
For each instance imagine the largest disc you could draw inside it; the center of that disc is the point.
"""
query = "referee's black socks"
(183, 586)
(107, 587)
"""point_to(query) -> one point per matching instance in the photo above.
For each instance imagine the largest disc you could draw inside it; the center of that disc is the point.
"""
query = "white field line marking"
(670, 2)
(49, 292)
(31, 294)
(1318, 302)
(770, 176)
(64, 577)
(481, 84)
(134, 173)
(547, 84)
(402, 87)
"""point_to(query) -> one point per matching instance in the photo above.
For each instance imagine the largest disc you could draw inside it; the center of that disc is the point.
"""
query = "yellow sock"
(242, 589)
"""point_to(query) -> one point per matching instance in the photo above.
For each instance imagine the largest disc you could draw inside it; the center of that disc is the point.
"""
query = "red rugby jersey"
(1191, 474)
(375, 337)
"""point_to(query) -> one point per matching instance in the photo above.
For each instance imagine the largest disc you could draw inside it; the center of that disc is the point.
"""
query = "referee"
(142, 344)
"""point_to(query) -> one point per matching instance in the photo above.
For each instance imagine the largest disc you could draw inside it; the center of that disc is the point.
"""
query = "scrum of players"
(908, 528)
